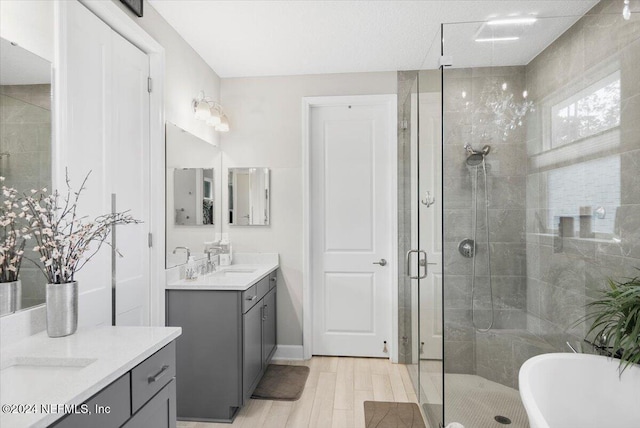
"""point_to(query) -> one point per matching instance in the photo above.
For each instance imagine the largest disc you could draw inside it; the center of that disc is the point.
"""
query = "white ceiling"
(269, 38)
(20, 67)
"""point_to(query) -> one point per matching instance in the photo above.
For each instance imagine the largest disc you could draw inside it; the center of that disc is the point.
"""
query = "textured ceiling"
(267, 38)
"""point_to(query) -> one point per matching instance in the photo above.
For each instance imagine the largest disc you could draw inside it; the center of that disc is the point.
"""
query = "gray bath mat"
(284, 383)
(383, 414)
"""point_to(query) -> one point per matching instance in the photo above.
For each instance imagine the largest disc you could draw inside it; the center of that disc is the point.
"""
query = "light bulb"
(203, 111)
(464, 94)
(626, 12)
(525, 94)
(223, 126)
(214, 118)
(504, 86)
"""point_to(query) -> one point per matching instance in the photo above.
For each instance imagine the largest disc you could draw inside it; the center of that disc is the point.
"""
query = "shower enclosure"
(523, 189)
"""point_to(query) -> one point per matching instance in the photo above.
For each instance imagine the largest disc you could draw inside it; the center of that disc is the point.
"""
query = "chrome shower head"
(476, 157)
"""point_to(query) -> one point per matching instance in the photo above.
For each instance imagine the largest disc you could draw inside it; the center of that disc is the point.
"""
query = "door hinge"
(150, 237)
(149, 84)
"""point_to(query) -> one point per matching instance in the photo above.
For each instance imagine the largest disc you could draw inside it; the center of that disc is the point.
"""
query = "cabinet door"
(159, 412)
(268, 326)
(252, 361)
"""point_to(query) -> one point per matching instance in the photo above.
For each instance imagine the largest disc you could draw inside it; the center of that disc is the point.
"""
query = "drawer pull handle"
(158, 375)
(273, 279)
(252, 298)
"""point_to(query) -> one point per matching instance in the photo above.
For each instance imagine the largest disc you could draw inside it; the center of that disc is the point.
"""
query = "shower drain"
(502, 420)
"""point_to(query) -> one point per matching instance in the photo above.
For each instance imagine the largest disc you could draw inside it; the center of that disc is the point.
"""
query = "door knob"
(382, 262)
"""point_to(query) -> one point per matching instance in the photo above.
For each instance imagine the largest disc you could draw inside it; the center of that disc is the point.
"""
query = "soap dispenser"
(191, 271)
(225, 251)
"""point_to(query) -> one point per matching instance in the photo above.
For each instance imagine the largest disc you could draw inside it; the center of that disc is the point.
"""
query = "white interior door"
(85, 86)
(105, 130)
(429, 216)
(130, 172)
(351, 227)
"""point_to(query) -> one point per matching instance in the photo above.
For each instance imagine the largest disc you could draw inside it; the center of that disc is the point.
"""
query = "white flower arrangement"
(13, 236)
(62, 237)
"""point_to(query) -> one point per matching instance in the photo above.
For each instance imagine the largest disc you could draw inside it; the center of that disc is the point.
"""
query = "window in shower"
(591, 111)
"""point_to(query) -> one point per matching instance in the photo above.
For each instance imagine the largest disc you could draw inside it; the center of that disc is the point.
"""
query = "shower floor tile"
(473, 400)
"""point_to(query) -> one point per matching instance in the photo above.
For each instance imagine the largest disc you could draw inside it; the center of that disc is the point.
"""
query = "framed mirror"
(193, 197)
(249, 197)
(25, 149)
(193, 185)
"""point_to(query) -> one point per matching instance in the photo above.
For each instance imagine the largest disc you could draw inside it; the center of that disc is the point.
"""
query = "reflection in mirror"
(249, 196)
(25, 147)
(193, 196)
(193, 180)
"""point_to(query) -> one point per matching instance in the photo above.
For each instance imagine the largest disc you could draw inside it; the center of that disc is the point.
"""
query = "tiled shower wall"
(584, 167)
(25, 141)
(600, 170)
(466, 120)
(407, 85)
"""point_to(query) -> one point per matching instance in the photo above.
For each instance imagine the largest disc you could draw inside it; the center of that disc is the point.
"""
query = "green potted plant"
(615, 318)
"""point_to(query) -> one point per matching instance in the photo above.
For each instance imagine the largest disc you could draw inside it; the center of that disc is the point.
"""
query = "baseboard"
(289, 352)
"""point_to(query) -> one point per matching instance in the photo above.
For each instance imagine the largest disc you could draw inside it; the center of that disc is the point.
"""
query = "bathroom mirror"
(25, 150)
(193, 185)
(249, 197)
(193, 201)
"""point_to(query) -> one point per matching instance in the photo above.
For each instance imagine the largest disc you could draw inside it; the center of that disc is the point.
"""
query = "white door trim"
(307, 304)
(120, 22)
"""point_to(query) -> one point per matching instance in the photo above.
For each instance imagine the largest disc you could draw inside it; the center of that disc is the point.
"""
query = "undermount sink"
(235, 272)
(579, 390)
(39, 363)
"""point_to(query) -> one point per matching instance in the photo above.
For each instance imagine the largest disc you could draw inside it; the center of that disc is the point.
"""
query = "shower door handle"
(408, 260)
(423, 263)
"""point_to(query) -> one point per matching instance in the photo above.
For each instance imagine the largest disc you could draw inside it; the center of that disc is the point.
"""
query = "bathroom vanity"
(228, 321)
(101, 378)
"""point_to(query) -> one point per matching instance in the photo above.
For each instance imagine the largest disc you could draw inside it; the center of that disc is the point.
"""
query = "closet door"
(130, 180)
(84, 86)
(104, 128)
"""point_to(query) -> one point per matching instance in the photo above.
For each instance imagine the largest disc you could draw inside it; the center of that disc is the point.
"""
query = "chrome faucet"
(183, 248)
(211, 264)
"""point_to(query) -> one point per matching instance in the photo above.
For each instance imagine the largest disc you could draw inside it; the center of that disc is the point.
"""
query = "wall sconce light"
(204, 108)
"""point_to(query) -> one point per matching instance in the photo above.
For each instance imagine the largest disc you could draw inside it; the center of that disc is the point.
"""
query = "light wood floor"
(333, 396)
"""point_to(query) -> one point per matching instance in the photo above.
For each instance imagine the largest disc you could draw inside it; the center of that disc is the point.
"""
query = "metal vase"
(62, 309)
(10, 297)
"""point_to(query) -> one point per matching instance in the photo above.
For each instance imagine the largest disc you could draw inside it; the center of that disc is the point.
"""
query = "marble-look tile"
(458, 326)
(629, 60)
(459, 357)
(629, 177)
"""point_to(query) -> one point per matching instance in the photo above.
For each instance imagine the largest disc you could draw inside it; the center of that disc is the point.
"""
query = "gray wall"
(266, 130)
(466, 121)
(407, 86)
(565, 274)
(543, 281)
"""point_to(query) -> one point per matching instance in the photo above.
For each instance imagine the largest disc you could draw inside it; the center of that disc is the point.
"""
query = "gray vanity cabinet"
(228, 339)
(252, 341)
(269, 326)
(144, 397)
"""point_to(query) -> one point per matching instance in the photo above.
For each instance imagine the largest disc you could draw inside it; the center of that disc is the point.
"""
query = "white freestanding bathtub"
(580, 391)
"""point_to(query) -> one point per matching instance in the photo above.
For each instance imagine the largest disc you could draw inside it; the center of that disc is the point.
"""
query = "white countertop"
(40, 370)
(233, 278)
(246, 270)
